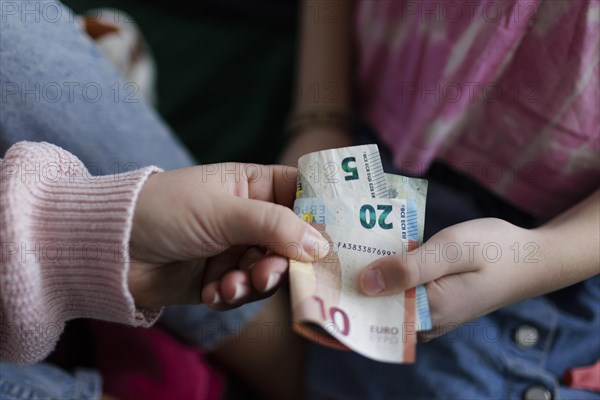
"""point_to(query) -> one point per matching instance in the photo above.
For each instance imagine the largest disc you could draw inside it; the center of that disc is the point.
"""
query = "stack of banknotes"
(365, 214)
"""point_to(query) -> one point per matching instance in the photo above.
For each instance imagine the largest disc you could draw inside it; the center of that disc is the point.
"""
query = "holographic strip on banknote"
(415, 189)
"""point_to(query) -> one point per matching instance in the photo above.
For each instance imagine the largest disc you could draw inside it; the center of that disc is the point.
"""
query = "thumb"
(441, 255)
(392, 275)
(256, 222)
(395, 274)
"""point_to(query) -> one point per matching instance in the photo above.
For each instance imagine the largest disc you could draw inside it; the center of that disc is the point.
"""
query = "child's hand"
(217, 234)
(469, 270)
(476, 267)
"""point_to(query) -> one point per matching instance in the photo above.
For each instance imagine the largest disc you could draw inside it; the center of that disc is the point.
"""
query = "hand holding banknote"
(469, 269)
(219, 234)
(364, 214)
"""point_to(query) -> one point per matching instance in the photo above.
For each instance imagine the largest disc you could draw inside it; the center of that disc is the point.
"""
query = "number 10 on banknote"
(364, 214)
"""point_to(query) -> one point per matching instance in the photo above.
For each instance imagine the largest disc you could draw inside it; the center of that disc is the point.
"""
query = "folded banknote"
(364, 214)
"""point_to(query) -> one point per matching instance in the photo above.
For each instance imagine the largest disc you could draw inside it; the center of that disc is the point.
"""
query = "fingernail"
(273, 280)
(241, 290)
(216, 298)
(314, 243)
(372, 281)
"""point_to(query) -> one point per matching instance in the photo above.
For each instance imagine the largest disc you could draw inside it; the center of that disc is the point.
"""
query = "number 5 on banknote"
(352, 170)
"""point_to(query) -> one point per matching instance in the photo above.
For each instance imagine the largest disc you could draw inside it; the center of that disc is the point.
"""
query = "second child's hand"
(475, 267)
(216, 234)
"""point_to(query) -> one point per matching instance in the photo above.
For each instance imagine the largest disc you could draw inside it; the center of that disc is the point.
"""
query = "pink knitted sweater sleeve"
(64, 254)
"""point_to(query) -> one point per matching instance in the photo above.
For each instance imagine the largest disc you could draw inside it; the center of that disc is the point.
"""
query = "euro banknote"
(365, 214)
(325, 294)
(340, 173)
(372, 218)
(355, 171)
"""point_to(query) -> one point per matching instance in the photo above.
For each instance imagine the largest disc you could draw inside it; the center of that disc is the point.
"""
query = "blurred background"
(225, 71)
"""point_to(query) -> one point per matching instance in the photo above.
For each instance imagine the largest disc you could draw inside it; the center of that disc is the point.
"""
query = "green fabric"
(224, 83)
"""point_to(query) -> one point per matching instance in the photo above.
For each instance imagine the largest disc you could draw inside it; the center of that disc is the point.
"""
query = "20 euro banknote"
(357, 170)
(335, 192)
(372, 218)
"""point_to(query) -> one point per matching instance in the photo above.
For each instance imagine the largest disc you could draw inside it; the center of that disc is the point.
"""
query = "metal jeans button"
(527, 336)
(537, 393)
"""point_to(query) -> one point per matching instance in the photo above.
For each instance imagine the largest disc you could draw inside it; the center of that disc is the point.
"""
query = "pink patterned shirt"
(504, 91)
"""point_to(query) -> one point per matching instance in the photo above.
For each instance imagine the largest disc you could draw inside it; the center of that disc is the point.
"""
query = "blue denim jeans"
(45, 382)
(57, 87)
(483, 359)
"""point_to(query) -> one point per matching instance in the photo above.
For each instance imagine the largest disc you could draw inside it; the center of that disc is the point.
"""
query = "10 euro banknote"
(364, 214)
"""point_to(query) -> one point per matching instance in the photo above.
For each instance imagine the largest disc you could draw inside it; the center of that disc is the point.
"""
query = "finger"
(272, 183)
(218, 265)
(269, 225)
(284, 184)
(236, 288)
(395, 274)
(212, 298)
(252, 255)
(210, 295)
(269, 272)
(228, 286)
(217, 268)
(459, 298)
(265, 269)
(232, 290)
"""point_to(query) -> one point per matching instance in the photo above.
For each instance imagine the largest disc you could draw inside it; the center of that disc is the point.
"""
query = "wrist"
(327, 120)
(315, 139)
